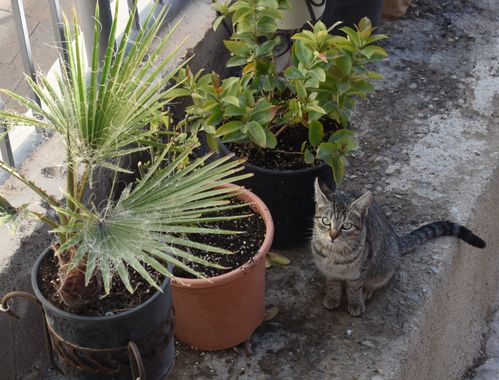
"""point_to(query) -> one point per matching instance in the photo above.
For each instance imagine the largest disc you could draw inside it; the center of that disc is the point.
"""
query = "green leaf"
(344, 139)
(293, 105)
(318, 73)
(301, 91)
(351, 35)
(263, 113)
(365, 24)
(363, 88)
(271, 141)
(257, 133)
(292, 73)
(315, 132)
(266, 25)
(375, 38)
(237, 48)
(217, 22)
(344, 63)
(229, 127)
(209, 128)
(179, 92)
(212, 142)
(303, 53)
(236, 61)
(219, 7)
(216, 116)
(309, 157)
(313, 107)
(267, 47)
(338, 166)
(231, 100)
(374, 75)
(326, 150)
(237, 136)
(374, 52)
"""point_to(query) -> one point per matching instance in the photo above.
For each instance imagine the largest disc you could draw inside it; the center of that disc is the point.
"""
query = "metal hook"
(4, 304)
(5, 308)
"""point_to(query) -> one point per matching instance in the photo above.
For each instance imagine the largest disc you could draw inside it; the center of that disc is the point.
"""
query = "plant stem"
(286, 152)
(83, 182)
(70, 179)
(45, 219)
(282, 129)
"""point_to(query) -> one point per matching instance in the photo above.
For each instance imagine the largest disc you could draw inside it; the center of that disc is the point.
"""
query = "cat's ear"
(321, 192)
(361, 205)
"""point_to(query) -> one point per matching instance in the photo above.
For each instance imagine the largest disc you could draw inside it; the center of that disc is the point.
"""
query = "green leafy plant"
(317, 91)
(104, 112)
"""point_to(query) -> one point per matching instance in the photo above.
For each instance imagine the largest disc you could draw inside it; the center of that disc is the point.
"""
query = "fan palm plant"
(102, 110)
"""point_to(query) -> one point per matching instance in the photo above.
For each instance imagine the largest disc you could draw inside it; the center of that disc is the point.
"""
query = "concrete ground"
(429, 150)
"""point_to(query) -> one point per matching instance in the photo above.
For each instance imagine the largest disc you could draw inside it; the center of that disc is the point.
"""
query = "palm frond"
(147, 224)
(103, 108)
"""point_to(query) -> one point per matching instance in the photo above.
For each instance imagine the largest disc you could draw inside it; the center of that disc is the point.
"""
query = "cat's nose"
(333, 233)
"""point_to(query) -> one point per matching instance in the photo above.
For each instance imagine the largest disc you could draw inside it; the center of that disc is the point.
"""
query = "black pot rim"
(285, 172)
(65, 314)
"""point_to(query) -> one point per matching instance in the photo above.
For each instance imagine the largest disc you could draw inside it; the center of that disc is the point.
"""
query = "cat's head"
(340, 217)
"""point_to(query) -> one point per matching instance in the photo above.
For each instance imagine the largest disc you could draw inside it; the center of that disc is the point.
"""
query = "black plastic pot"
(289, 195)
(96, 348)
(351, 11)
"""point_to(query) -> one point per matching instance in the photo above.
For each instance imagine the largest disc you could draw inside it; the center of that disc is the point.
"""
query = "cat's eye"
(326, 221)
(347, 226)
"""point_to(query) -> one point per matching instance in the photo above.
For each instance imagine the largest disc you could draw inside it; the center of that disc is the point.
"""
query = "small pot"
(289, 195)
(95, 348)
(352, 11)
(223, 311)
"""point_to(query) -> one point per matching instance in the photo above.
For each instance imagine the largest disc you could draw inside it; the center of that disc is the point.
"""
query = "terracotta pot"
(395, 8)
(224, 311)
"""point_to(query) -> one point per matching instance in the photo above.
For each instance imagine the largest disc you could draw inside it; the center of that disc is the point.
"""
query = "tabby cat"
(354, 245)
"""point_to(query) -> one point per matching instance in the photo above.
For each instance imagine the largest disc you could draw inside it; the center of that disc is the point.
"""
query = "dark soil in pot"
(244, 245)
(287, 155)
(118, 301)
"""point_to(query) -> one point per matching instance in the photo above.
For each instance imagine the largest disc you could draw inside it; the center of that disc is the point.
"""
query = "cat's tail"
(434, 230)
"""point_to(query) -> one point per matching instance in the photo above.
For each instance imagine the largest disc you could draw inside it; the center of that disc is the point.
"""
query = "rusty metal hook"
(5, 308)
(136, 364)
(4, 304)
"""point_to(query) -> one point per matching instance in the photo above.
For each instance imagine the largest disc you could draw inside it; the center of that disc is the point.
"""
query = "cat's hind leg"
(332, 299)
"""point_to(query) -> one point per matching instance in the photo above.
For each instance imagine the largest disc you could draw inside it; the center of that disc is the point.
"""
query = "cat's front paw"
(330, 302)
(356, 309)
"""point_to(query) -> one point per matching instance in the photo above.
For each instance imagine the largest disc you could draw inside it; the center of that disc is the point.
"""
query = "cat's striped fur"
(354, 245)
